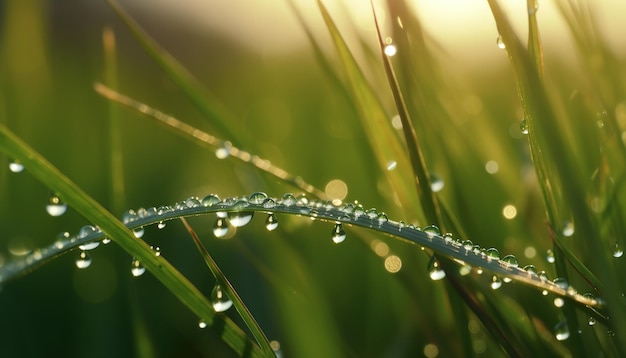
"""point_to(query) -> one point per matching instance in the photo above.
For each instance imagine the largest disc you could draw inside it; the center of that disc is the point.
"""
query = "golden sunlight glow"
(509, 211)
(393, 263)
(336, 190)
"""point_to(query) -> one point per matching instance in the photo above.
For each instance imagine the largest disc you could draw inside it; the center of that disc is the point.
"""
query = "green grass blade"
(196, 92)
(114, 229)
(240, 306)
(209, 141)
(376, 124)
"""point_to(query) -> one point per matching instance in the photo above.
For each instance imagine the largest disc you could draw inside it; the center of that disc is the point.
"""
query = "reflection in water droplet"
(550, 256)
(434, 269)
(106, 241)
(156, 250)
(83, 261)
(338, 234)
(510, 260)
(220, 229)
(617, 251)
(220, 300)
(492, 167)
(136, 268)
(16, 167)
(241, 218)
(561, 331)
(500, 43)
(257, 198)
(86, 231)
(432, 231)
(492, 254)
(210, 200)
(523, 126)
(568, 229)
(436, 183)
(591, 321)
(89, 246)
(138, 232)
(496, 282)
(55, 206)
(289, 199)
(161, 225)
(561, 282)
(271, 223)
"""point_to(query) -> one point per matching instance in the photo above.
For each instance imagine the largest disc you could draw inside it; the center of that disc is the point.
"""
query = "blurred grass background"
(304, 291)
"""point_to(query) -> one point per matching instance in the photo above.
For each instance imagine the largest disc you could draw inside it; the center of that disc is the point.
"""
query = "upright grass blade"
(196, 92)
(388, 151)
(209, 141)
(240, 306)
(114, 229)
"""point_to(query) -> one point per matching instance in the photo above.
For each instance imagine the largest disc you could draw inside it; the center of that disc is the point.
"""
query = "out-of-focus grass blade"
(389, 152)
(209, 141)
(240, 306)
(198, 94)
(114, 229)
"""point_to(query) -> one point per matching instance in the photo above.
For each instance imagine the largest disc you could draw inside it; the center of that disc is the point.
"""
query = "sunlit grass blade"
(377, 126)
(240, 306)
(114, 229)
(196, 92)
(209, 141)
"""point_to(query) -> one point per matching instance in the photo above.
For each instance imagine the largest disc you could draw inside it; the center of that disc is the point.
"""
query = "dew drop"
(240, 218)
(271, 223)
(523, 126)
(223, 152)
(289, 199)
(492, 254)
(156, 250)
(55, 207)
(617, 251)
(220, 229)
(392, 165)
(510, 260)
(83, 261)
(220, 300)
(468, 245)
(432, 231)
(106, 241)
(192, 202)
(202, 324)
(559, 302)
(496, 282)
(550, 256)
(161, 225)
(382, 218)
(561, 282)
(390, 50)
(269, 203)
(138, 232)
(500, 43)
(434, 269)
(338, 234)
(561, 331)
(531, 269)
(16, 167)
(568, 229)
(257, 198)
(591, 321)
(89, 246)
(87, 230)
(136, 268)
(210, 200)
(436, 183)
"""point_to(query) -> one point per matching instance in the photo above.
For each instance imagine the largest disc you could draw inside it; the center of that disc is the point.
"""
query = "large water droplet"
(338, 235)
(156, 250)
(617, 251)
(257, 198)
(434, 269)
(138, 232)
(161, 225)
(136, 268)
(492, 254)
(16, 167)
(561, 282)
(55, 207)
(220, 300)
(210, 200)
(510, 260)
(500, 43)
(436, 183)
(220, 229)
(568, 229)
(87, 230)
(561, 331)
(591, 321)
(289, 200)
(523, 126)
(432, 231)
(271, 223)
(241, 218)
(550, 256)
(83, 261)
(496, 282)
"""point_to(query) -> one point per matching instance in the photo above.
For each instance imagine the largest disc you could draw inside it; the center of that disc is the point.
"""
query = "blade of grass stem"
(209, 141)
(171, 278)
(196, 92)
(240, 306)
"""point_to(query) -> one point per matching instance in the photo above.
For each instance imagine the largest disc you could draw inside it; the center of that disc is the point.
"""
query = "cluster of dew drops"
(350, 212)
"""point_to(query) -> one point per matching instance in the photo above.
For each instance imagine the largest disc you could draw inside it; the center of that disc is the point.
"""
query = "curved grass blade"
(324, 211)
(196, 92)
(240, 306)
(114, 229)
(209, 141)
(376, 124)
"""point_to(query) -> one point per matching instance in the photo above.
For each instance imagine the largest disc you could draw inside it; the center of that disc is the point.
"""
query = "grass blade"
(240, 306)
(114, 229)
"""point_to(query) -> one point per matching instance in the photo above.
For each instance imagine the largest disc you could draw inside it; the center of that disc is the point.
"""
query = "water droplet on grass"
(210, 200)
(220, 229)
(523, 126)
(338, 234)
(390, 50)
(496, 282)
(500, 43)
(434, 269)
(561, 331)
(436, 183)
(617, 251)
(492, 254)
(136, 268)
(161, 225)
(257, 198)
(156, 250)
(220, 300)
(202, 324)
(239, 219)
(510, 260)
(432, 231)
(568, 229)
(271, 223)
(223, 151)
(550, 256)
(16, 167)
(138, 232)
(561, 282)
(55, 207)
(106, 241)
(83, 261)
(87, 230)
(289, 200)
